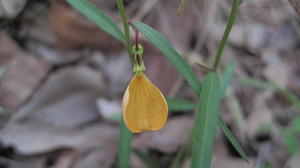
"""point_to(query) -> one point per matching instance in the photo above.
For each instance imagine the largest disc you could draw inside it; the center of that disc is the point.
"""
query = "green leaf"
(176, 104)
(232, 140)
(207, 117)
(226, 78)
(148, 161)
(237, 113)
(124, 145)
(97, 16)
(172, 55)
(257, 84)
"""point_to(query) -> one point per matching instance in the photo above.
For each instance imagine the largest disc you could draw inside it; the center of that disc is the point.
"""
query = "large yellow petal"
(144, 107)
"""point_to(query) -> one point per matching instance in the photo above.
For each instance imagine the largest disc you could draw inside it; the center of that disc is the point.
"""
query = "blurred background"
(62, 81)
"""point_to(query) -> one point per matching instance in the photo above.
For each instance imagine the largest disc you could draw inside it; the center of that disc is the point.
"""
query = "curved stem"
(124, 19)
(234, 11)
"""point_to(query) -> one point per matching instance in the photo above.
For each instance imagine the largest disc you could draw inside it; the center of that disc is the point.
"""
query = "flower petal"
(144, 107)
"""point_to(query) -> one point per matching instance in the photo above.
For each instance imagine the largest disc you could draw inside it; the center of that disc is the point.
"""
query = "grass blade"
(124, 145)
(232, 140)
(97, 16)
(176, 104)
(257, 84)
(226, 78)
(172, 55)
(207, 117)
(236, 112)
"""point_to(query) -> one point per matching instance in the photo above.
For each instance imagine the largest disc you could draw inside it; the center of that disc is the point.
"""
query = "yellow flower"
(144, 107)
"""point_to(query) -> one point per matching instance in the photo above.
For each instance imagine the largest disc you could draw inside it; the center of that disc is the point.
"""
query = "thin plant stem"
(137, 40)
(124, 145)
(234, 11)
(124, 19)
(125, 135)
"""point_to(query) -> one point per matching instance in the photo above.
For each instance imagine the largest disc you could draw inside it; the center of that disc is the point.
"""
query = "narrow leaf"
(226, 78)
(176, 104)
(172, 55)
(124, 145)
(237, 113)
(257, 84)
(207, 117)
(232, 139)
(97, 16)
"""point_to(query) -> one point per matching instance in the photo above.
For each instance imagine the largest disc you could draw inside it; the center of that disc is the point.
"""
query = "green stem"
(125, 135)
(234, 11)
(124, 145)
(124, 19)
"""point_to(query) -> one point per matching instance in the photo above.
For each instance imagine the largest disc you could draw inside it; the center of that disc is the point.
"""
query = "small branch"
(234, 11)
